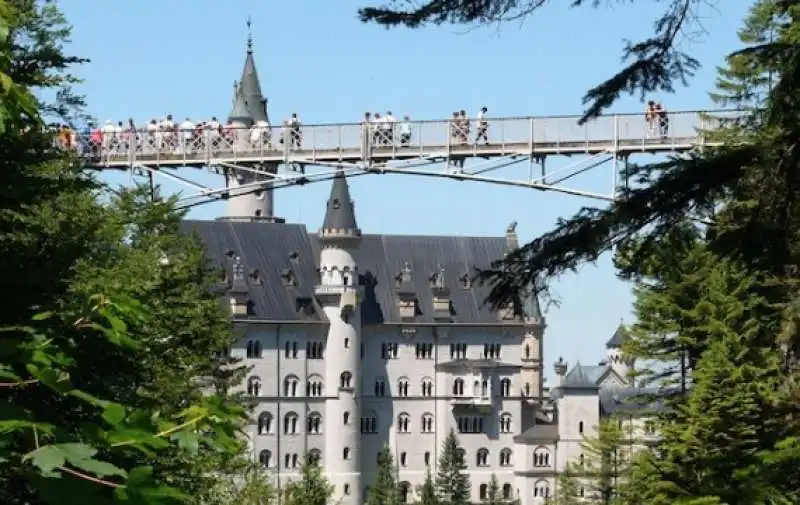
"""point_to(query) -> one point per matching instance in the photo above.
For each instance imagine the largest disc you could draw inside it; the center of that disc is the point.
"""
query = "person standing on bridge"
(482, 126)
(663, 120)
(295, 132)
(405, 131)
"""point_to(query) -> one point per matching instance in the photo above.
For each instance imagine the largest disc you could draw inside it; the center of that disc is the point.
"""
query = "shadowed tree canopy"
(652, 64)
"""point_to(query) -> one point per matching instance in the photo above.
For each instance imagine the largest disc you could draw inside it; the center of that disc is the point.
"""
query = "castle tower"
(249, 109)
(619, 361)
(338, 294)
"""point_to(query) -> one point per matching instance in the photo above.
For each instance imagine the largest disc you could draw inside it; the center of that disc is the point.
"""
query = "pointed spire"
(619, 337)
(239, 112)
(249, 84)
(340, 216)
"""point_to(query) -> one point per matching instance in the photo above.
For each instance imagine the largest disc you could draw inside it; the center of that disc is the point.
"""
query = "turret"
(560, 368)
(338, 293)
(618, 359)
(251, 202)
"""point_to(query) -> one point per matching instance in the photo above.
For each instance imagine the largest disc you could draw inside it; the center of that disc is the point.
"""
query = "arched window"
(291, 460)
(507, 491)
(484, 490)
(505, 387)
(527, 389)
(580, 427)
(380, 387)
(402, 387)
(290, 423)
(264, 423)
(541, 489)
(314, 423)
(253, 386)
(403, 420)
(505, 457)
(527, 351)
(346, 453)
(458, 387)
(290, 385)
(314, 386)
(541, 457)
(265, 458)
(405, 491)
(581, 460)
(314, 457)
(346, 418)
(345, 380)
(253, 349)
(427, 386)
(505, 423)
(485, 388)
(427, 423)
(482, 457)
(369, 422)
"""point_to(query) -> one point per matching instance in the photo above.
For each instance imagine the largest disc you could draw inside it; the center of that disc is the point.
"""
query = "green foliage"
(452, 482)
(427, 491)
(312, 488)
(250, 485)
(493, 496)
(605, 466)
(384, 490)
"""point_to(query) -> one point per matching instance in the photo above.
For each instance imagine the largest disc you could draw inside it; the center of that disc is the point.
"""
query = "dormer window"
(288, 277)
(336, 204)
(294, 255)
(465, 281)
(437, 280)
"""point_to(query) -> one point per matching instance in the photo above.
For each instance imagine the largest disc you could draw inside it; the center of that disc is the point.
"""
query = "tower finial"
(249, 35)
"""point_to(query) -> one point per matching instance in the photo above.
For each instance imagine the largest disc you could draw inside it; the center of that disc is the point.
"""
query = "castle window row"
(314, 387)
(293, 460)
(265, 424)
(389, 350)
(506, 490)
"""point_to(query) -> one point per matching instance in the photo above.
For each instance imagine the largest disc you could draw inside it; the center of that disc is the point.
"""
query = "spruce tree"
(311, 489)
(452, 483)
(493, 496)
(384, 490)
(427, 490)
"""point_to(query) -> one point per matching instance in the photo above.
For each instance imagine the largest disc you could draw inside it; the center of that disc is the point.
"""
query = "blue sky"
(150, 58)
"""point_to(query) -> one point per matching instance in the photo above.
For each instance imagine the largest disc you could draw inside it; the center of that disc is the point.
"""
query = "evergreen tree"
(427, 491)
(452, 483)
(253, 485)
(384, 490)
(312, 488)
(493, 496)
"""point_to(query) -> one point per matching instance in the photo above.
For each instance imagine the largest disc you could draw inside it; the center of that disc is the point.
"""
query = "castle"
(360, 341)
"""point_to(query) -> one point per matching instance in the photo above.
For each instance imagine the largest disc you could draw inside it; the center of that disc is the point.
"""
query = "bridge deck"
(540, 136)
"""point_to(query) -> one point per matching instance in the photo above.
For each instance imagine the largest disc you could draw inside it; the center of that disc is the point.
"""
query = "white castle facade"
(357, 342)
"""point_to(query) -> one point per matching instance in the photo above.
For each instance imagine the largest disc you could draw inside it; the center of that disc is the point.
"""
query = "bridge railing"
(328, 141)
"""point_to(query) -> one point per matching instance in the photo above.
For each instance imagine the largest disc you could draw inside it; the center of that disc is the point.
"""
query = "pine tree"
(567, 489)
(493, 496)
(427, 490)
(384, 490)
(312, 488)
(452, 483)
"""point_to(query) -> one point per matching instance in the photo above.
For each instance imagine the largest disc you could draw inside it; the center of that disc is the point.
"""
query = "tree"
(655, 63)
(384, 490)
(251, 485)
(312, 488)
(84, 417)
(493, 496)
(452, 483)
(427, 491)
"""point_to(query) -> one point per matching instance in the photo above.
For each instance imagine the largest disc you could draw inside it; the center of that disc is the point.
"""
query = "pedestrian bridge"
(622, 134)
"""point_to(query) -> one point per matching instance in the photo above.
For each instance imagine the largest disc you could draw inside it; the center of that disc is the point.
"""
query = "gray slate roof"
(340, 213)
(619, 337)
(631, 400)
(539, 433)
(267, 251)
(250, 87)
(581, 377)
(239, 112)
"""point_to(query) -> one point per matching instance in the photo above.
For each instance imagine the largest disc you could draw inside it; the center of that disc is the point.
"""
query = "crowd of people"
(167, 134)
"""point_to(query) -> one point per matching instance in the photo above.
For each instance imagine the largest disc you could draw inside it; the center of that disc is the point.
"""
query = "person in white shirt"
(109, 137)
(259, 135)
(389, 123)
(482, 126)
(294, 132)
(405, 131)
(377, 122)
(186, 134)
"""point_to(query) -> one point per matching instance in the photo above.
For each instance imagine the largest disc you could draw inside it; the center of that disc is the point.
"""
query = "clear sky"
(150, 58)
